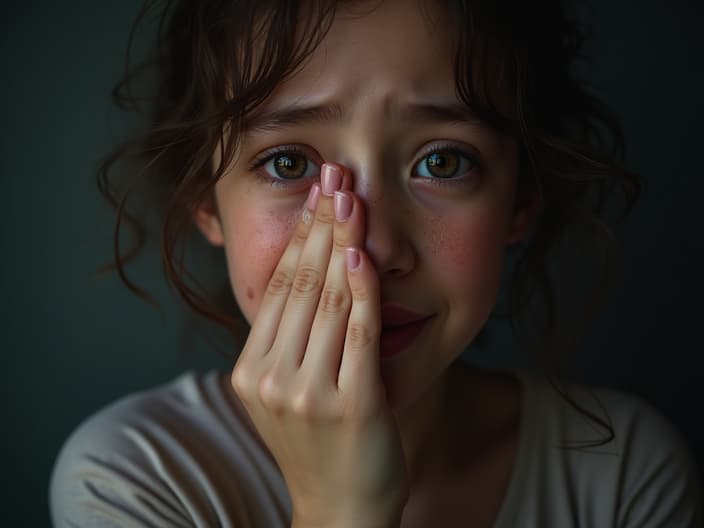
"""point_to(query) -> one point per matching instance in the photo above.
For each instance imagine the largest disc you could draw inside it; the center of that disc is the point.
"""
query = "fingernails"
(313, 196)
(311, 203)
(352, 255)
(342, 203)
(331, 179)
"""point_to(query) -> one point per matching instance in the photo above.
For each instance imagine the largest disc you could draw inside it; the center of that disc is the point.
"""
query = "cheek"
(256, 241)
(467, 252)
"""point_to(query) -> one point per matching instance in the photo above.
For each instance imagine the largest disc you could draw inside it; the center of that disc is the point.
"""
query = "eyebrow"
(291, 116)
(297, 115)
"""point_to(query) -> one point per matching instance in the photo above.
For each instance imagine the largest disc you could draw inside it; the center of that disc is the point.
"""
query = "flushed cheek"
(465, 253)
(260, 238)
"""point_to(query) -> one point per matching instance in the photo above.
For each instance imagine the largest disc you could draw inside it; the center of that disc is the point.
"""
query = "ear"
(524, 214)
(207, 220)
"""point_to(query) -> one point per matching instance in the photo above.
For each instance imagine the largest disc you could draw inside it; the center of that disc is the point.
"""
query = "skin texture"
(436, 248)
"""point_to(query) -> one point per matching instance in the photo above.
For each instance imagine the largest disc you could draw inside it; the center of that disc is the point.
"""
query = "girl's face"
(438, 185)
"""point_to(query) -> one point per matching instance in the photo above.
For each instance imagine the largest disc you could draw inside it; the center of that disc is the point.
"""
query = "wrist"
(363, 521)
(384, 513)
(347, 524)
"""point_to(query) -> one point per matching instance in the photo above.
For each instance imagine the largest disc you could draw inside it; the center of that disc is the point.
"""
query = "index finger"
(266, 322)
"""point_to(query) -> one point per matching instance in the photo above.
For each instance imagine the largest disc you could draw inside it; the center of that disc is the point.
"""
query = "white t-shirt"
(186, 454)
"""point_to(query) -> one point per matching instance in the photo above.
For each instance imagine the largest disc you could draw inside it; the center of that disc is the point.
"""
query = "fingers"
(320, 313)
(263, 331)
(266, 324)
(360, 357)
(325, 346)
(309, 277)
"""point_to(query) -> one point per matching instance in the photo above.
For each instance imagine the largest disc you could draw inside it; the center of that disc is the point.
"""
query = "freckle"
(434, 235)
(447, 243)
(250, 293)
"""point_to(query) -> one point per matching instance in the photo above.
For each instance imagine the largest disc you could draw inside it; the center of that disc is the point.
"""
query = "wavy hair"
(571, 144)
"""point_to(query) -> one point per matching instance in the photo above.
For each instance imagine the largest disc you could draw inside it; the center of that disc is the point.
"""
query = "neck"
(445, 430)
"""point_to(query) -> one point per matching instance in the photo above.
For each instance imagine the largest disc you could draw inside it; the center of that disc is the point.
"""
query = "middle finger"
(297, 318)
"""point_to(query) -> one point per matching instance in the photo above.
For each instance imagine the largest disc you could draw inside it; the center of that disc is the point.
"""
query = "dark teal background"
(71, 344)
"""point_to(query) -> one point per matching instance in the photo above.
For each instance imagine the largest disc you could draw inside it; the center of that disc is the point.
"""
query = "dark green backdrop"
(71, 344)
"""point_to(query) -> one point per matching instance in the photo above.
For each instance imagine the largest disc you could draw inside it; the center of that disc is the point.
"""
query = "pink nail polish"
(331, 178)
(313, 196)
(353, 260)
(342, 203)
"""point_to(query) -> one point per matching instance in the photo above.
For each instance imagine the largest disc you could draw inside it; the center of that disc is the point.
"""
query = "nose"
(389, 228)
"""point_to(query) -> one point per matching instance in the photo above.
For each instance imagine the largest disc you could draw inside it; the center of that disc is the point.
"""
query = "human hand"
(309, 372)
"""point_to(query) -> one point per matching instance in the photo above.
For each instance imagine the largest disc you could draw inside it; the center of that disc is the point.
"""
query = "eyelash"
(272, 153)
(269, 155)
(450, 149)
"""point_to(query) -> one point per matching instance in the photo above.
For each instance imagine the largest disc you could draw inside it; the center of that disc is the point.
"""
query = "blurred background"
(72, 343)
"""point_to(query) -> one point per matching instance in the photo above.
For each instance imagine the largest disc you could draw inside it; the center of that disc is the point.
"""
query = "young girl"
(366, 168)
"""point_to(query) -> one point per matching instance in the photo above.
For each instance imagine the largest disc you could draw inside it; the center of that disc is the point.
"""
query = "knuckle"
(358, 336)
(312, 405)
(333, 301)
(280, 282)
(240, 381)
(325, 218)
(340, 243)
(300, 234)
(307, 279)
(271, 393)
(306, 405)
(360, 293)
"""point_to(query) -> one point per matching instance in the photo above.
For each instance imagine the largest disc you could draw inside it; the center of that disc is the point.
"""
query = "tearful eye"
(442, 165)
(289, 166)
(445, 164)
(286, 166)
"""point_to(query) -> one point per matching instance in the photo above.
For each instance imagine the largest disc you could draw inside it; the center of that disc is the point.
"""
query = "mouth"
(399, 328)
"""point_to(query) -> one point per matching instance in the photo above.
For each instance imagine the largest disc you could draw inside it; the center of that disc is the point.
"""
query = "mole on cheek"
(250, 293)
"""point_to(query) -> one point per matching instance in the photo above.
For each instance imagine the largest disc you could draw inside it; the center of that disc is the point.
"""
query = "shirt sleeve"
(661, 483)
(178, 455)
(104, 478)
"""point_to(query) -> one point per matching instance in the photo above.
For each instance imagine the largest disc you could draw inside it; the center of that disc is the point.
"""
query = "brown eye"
(446, 164)
(286, 165)
(442, 164)
(290, 166)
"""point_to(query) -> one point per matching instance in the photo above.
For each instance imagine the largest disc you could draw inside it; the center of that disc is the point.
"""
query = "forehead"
(393, 47)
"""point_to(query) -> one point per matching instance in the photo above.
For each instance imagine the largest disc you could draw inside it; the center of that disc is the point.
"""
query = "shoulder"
(609, 458)
(175, 455)
(659, 482)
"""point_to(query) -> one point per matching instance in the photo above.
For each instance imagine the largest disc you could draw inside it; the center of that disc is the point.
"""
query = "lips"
(399, 328)
(394, 315)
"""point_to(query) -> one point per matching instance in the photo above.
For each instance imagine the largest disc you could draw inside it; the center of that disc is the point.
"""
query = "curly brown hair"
(571, 145)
